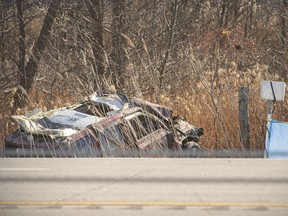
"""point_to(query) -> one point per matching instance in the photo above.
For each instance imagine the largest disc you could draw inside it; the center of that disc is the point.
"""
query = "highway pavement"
(143, 186)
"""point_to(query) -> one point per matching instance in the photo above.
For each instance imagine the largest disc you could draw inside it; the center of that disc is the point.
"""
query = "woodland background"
(191, 55)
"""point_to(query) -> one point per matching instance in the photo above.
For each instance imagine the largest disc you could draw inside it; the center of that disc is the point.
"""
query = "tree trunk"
(96, 9)
(26, 83)
(171, 29)
(22, 48)
(283, 34)
(118, 56)
(33, 63)
(2, 15)
(223, 12)
(283, 19)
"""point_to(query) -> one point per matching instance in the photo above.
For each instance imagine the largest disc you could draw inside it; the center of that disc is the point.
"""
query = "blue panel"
(278, 140)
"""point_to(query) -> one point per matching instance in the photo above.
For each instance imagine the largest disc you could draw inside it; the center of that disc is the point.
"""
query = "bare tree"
(22, 47)
(118, 55)
(283, 18)
(26, 83)
(283, 35)
(2, 16)
(170, 33)
(249, 18)
(96, 9)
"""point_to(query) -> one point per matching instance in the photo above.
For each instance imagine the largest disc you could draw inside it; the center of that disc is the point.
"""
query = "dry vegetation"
(188, 55)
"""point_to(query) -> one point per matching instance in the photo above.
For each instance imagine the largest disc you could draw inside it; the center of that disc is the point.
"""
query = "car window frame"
(135, 115)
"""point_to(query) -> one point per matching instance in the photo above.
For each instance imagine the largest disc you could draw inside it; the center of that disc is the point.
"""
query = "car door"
(150, 133)
(83, 143)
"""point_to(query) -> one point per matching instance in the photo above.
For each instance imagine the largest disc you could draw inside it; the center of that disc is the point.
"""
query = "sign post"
(244, 118)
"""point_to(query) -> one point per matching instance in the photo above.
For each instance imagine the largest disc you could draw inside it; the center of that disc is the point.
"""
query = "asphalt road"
(143, 186)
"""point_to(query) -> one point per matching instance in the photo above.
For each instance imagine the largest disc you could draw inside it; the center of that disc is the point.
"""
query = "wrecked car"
(103, 125)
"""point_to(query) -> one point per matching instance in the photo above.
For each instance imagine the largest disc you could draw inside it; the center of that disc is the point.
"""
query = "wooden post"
(244, 117)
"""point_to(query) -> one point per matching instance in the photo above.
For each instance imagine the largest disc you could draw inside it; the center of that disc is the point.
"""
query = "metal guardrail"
(7, 153)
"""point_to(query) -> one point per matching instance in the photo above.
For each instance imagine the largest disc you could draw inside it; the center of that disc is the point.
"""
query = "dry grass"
(215, 107)
(211, 106)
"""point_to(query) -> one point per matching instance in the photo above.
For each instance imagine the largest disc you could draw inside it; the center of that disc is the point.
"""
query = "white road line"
(24, 169)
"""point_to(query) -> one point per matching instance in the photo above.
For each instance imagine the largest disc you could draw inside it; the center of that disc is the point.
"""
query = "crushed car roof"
(67, 118)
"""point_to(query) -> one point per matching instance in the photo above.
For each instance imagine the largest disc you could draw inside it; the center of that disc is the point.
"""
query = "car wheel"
(192, 148)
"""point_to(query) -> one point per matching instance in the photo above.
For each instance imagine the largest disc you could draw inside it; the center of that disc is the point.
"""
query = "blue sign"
(277, 145)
